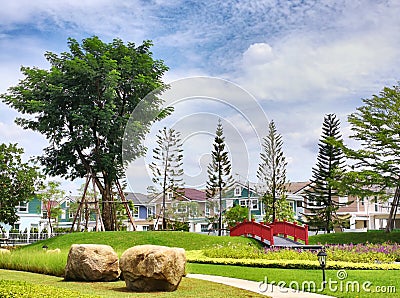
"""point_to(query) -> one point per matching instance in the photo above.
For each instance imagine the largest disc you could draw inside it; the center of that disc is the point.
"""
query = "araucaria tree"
(167, 165)
(82, 105)
(219, 171)
(377, 125)
(326, 175)
(50, 196)
(272, 174)
(19, 182)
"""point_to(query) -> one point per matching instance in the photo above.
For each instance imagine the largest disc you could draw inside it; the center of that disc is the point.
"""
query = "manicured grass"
(187, 288)
(355, 238)
(121, 241)
(298, 276)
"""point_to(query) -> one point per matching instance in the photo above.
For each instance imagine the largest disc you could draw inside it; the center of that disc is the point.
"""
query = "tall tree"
(19, 182)
(377, 125)
(219, 171)
(326, 174)
(82, 105)
(272, 174)
(167, 165)
(50, 196)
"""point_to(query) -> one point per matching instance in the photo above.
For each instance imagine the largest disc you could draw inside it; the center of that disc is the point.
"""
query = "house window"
(238, 191)
(63, 214)
(169, 196)
(204, 228)
(70, 214)
(207, 211)
(291, 203)
(135, 212)
(67, 204)
(376, 204)
(343, 200)
(253, 203)
(150, 211)
(22, 207)
(145, 228)
(362, 201)
(181, 208)
(299, 204)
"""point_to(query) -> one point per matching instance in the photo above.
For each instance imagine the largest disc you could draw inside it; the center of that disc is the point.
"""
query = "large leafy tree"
(327, 173)
(82, 105)
(18, 182)
(272, 174)
(376, 125)
(219, 171)
(167, 165)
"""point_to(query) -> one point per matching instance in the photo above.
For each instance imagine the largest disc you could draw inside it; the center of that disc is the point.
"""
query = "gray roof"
(138, 198)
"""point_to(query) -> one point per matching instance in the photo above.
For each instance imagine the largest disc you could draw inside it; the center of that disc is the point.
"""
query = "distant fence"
(25, 238)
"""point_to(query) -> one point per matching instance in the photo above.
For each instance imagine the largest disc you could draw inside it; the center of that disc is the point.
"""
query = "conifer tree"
(272, 174)
(219, 171)
(167, 165)
(327, 173)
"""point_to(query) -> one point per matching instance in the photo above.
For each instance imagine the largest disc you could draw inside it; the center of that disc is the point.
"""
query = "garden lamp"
(44, 247)
(322, 262)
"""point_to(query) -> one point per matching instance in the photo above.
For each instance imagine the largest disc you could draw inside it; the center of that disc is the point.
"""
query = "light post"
(322, 262)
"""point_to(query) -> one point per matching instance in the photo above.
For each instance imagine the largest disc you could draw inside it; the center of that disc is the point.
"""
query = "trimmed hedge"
(197, 256)
(17, 289)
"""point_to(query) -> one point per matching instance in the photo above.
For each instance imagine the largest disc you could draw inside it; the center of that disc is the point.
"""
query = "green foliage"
(50, 196)
(219, 171)
(272, 174)
(236, 215)
(82, 105)
(18, 181)
(376, 125)
(328, 171)
(17, 289)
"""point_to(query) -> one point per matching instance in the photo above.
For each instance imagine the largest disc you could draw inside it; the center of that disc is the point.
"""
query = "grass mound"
(121, 241)
(356, 238)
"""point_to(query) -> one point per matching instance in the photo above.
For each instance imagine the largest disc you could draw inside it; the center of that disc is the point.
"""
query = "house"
(30, 216)
(360, 214)
(245, 195)
(143, 212)
(186, 205)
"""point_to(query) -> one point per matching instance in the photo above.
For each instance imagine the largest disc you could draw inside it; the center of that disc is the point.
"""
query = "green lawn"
(355, 238)
(32, 256)
(379, 278)
(188, 288)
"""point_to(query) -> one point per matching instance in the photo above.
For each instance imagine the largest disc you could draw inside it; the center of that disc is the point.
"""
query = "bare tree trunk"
(107, 208)
(393, 211)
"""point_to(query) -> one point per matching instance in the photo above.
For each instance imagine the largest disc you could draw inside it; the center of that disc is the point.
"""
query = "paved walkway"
(257, 287)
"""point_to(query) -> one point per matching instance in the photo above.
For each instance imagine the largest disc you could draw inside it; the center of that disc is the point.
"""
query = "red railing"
(253, 229)
(286, 228)
(267, 231)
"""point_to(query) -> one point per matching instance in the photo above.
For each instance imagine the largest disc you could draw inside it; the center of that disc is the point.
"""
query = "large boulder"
(92, 262)
(147, 268)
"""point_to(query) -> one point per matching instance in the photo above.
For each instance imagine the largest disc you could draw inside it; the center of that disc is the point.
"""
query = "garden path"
(257, 287)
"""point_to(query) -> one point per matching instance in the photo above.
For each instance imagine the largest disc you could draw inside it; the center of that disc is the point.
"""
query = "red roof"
(195, 194)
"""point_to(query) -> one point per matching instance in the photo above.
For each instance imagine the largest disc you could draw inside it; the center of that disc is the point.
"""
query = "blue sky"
(299, 59)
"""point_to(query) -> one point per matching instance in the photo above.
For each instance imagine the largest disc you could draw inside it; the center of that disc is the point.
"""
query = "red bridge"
(270, 233)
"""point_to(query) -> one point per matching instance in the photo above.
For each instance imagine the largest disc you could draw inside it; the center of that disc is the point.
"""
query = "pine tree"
(325, 176)
(272, 174)
(167, 165)
(219, 171)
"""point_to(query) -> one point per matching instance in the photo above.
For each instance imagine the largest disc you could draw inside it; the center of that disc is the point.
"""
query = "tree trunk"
(393, 211)
(107, 208)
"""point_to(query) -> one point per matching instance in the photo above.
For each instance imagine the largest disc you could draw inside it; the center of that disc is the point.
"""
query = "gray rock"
(92, 262)
(148, 268)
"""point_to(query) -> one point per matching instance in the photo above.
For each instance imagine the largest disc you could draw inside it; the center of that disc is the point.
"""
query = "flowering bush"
(360, 253)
